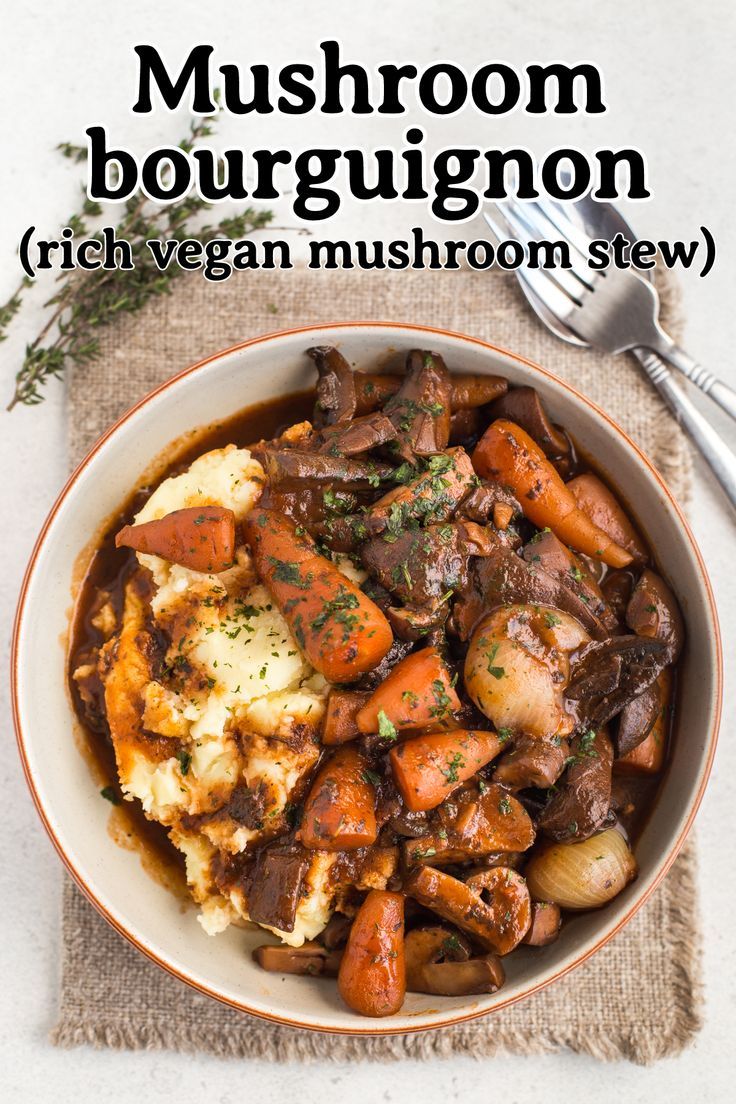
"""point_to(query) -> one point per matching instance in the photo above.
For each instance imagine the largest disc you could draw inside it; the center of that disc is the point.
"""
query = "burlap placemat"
(638, 998)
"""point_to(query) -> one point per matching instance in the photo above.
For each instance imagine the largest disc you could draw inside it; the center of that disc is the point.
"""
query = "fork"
(617, 311)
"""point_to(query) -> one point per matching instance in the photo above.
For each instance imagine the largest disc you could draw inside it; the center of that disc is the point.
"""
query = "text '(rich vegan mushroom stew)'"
(395, 682)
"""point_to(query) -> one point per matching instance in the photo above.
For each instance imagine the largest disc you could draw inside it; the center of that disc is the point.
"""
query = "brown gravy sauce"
(109, 569)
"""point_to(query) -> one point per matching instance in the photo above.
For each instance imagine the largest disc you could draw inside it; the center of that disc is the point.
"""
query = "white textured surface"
(667, 67)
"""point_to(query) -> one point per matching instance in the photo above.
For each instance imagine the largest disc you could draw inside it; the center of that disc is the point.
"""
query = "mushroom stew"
(475, 654)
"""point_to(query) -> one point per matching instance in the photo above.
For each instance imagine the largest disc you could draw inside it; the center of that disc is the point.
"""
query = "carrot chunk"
(372, 976)
(428, 768)
(340, 630)
(201, 538)
(508, 454)
(604, 510)
(417, 693)
(339, 813)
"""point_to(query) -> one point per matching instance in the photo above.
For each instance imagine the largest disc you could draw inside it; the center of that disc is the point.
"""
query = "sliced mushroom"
(545, 925)
(438, 961)
(462, 979)
(523, 406)
(647, 757)
(291, 470)
(336, 933)
(609, 674)
(653, 612)
(420, 409)
(477, 825)
(617, 588)
(638, 717)
(532, 762)
(430, 498)
(359, 435)
(336, 398)
(545, 551)
(506, 893)
(465, 427)
(310, 958)
(580, 807)
(426, 947)
(497, 926)
(503, 578)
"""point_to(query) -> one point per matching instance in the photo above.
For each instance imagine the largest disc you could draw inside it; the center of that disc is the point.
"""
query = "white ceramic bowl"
(68, 798)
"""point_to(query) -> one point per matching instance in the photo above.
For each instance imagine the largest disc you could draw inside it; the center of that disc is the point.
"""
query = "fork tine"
(563, 224)
(556, 300)
(538, 221)
(564, 279)
(541, 228)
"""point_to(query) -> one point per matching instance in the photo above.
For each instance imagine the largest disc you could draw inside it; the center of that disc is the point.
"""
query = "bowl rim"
(88, 890)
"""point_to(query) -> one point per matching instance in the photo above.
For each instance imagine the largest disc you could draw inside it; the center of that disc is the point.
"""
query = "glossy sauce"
(109, 570)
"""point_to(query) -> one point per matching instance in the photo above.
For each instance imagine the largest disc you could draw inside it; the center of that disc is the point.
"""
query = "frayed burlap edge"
(276, 1043)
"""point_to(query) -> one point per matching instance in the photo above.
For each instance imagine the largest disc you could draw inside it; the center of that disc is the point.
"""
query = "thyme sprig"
(85, 301)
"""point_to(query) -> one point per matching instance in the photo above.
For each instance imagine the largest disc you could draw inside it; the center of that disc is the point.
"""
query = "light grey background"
(63, 67)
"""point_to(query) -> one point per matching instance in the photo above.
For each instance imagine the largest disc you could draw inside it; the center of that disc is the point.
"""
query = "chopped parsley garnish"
(339, 504)
(344, 600)
(441, 697)
(433, 408)
(496, 672)
(440, 464)
(456, 761)
(386, 729)
(110, 795)
(286, 572)
(373, 477)
(185, 761)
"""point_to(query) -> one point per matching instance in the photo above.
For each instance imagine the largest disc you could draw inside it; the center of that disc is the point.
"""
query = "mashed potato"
(213, 709)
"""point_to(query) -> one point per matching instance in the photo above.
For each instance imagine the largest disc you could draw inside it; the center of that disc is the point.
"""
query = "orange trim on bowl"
(149, 952)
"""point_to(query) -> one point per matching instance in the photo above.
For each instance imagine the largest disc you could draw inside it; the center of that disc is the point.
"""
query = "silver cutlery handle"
(719, 456)
(709, 384)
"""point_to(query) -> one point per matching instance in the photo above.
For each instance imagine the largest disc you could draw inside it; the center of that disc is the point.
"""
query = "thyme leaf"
(86, 300)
